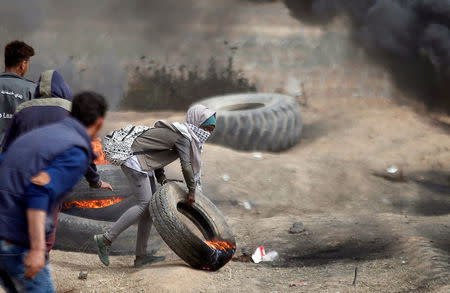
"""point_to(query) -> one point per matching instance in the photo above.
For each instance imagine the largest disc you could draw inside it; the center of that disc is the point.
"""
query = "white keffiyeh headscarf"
(199, 134)
(195, 116)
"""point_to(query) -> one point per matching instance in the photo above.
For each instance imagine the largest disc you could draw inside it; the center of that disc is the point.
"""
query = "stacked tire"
(76, 227)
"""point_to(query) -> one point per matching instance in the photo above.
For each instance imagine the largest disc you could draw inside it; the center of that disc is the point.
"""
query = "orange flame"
(98, 150)
(226, 249)
(221, 245)
(91, 204)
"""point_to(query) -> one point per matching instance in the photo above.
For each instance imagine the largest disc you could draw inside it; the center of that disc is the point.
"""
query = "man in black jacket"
(14, 88)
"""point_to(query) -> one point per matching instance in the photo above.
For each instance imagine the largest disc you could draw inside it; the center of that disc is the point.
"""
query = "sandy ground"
(396, 234)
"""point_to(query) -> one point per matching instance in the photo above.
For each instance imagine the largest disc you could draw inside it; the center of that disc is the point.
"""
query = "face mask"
(201, 134)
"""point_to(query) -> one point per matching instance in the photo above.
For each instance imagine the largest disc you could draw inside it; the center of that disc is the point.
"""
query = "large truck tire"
(77, 234)
(261, 121)
(167, 208)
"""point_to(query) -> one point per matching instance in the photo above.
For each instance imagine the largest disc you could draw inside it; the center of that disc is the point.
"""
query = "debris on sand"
(392, 173)
(355, 277)
(298, 284)
(385, 201)
(257, 155)
(247, 205)
(243, 258)
(246, 256)
(270, 256)
(296, 228)
(293, 87)
(233, 202)
(261, 255)
(83, 275)
(225, 177)
(258, 254)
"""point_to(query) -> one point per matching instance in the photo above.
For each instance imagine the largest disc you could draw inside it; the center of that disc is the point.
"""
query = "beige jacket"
(160, 146)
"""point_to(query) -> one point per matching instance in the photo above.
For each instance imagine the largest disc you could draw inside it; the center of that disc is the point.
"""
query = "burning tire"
(88, 211)
(101, 204)
(266, 122)
(167, 209)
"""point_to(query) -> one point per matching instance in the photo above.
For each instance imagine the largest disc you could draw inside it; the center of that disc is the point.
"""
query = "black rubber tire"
(82, 192)
(76, 226)
(108, 214)
(109, 173)
(77, 234)
(262, 121)
(167, 206)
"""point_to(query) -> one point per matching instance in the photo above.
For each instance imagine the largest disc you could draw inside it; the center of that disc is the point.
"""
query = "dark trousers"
(12, 271)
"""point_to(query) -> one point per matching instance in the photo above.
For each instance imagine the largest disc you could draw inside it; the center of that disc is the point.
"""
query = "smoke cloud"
(410, 38)
(93, 43)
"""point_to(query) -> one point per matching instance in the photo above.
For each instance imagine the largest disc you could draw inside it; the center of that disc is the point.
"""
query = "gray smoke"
(411, 38)
(93, 43)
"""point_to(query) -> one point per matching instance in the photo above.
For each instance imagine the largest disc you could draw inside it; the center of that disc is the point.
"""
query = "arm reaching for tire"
(106, 185)
(183, 146)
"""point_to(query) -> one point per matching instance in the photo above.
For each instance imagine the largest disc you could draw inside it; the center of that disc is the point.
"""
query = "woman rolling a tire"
(152, 150)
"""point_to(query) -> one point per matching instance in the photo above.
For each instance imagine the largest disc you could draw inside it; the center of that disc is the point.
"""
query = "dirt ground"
(397, 234)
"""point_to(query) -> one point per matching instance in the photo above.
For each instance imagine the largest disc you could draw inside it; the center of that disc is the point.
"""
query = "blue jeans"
(12, 271)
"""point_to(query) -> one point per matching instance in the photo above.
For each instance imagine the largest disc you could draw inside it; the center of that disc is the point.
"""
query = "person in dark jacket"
(153, 150)
(52, 103)
(14, 88)
(36, 173)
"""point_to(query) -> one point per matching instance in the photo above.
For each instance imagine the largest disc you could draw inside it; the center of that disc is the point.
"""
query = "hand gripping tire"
(262, 121)
(167, 206)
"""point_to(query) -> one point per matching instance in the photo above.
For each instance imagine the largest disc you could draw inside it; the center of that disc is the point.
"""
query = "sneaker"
(147, 260)
(102, 249)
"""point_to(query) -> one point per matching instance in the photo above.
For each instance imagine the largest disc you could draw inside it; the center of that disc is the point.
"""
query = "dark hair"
(87, 107)
(17, 52)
